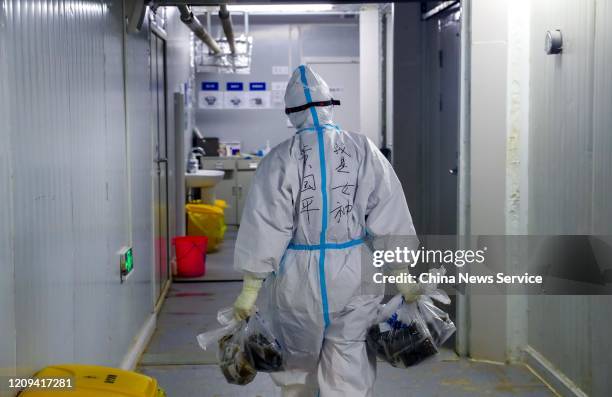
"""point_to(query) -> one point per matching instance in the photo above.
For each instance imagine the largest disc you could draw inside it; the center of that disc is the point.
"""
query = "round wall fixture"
(554, 42)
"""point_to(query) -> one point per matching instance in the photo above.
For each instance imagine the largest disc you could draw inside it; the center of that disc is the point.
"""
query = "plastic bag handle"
(225, 317)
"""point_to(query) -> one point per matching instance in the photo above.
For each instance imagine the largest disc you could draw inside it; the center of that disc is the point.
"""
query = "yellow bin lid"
(97, 381)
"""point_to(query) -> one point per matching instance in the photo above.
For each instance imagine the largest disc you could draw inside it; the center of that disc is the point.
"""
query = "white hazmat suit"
(313, 200)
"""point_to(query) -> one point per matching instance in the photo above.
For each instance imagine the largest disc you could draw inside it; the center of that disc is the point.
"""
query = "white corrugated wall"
(69, 186)
(570, 178)
(7, 292)
(179, 72)
(557, 179)
(601, 323)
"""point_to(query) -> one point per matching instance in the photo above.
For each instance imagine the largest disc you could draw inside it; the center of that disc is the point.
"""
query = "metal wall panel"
(409, 103)
(370, 89)
(559, 329)
(7, 291)
(570, 178)
(602, 120)
(142, 170)
(601, 322)
(561, 139)
(70, 186)
(439, 124)
(179, 72)
(44, 75)
(99, 205)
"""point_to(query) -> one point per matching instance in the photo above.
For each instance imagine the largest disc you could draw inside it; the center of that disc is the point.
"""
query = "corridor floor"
(184, 370)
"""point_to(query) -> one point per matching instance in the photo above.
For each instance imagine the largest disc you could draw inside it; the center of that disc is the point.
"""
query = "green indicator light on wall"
(126, 262)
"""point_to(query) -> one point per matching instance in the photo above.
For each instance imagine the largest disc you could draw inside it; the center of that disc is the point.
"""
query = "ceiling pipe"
(226, 21)
(196, 27)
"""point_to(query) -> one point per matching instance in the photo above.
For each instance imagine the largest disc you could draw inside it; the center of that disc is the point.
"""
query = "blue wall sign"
(210, 86)
(257, 86)
(234, 86)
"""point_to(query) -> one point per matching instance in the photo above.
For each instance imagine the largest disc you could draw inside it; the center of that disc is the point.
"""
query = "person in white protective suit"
(313, 200)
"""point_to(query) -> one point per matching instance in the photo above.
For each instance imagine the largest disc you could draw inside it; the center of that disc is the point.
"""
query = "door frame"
(159, 290)
(331, 60)
(464, 169)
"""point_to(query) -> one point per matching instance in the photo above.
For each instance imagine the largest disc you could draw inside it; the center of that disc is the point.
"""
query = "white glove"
(410, 291)
(243, 306)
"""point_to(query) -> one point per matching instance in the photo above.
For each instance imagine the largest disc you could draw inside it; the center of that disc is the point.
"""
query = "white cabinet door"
(244, 179)
(226, 189)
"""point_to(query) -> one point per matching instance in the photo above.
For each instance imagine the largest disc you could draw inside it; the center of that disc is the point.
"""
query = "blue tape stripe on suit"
(315, 119)
(327, 125)
(328, 246)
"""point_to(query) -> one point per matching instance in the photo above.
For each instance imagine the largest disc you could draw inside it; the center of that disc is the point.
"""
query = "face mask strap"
(311, 104)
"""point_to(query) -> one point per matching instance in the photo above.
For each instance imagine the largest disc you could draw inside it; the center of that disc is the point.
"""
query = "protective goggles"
(311, 104)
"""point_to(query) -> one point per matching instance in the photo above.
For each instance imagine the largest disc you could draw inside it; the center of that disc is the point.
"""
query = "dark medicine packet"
(406, 334)
(233, 360)
(264, 354)
(403, 339)
(245, 347)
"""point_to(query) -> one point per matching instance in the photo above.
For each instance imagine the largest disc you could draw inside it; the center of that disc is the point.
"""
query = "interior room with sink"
(202, 180)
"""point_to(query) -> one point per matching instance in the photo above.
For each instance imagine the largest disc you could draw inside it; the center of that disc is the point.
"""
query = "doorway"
(450, 52)
(441, 122)
(343, 74)
(446, 216)
(433, 129)
(160, 158)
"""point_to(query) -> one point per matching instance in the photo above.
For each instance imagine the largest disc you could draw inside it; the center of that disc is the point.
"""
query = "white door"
(343, 80)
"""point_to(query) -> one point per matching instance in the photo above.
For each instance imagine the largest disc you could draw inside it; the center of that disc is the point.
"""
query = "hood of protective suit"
(306, 86)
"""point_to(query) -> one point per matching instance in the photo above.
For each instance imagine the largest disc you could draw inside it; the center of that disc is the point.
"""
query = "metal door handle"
(453, 171)
(161, 160)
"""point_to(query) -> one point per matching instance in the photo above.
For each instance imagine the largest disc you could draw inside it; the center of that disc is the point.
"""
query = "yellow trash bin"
(93, 381)
(207, 220)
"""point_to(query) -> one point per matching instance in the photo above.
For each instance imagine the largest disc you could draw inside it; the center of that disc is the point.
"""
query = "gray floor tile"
(207, 381)
(189, 309)
(458, 378)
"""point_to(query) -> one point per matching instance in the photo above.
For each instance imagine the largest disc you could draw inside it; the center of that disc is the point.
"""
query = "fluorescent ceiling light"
(281, 8)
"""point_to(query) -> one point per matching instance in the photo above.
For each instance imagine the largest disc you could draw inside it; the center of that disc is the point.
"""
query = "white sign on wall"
(209, 96)
(279, 85)
(210, 100)
(235, 97)
(235, 100)
(277, 94)
(259, 96)
(259, 100)
(280, 70)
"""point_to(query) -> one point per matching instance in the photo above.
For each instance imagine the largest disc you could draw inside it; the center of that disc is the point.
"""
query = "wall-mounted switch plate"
(126, 262)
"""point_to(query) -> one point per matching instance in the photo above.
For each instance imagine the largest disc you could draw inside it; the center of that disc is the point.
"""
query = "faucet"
(194, 164)
(198, 150)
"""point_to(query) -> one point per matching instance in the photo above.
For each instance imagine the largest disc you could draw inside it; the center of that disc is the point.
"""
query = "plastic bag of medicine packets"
(245, 347)
(406, 334)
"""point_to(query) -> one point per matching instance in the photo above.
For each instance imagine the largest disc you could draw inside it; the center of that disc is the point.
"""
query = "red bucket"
(190, 255)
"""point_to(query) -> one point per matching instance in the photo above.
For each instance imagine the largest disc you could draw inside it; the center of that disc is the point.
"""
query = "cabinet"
(235, 184)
